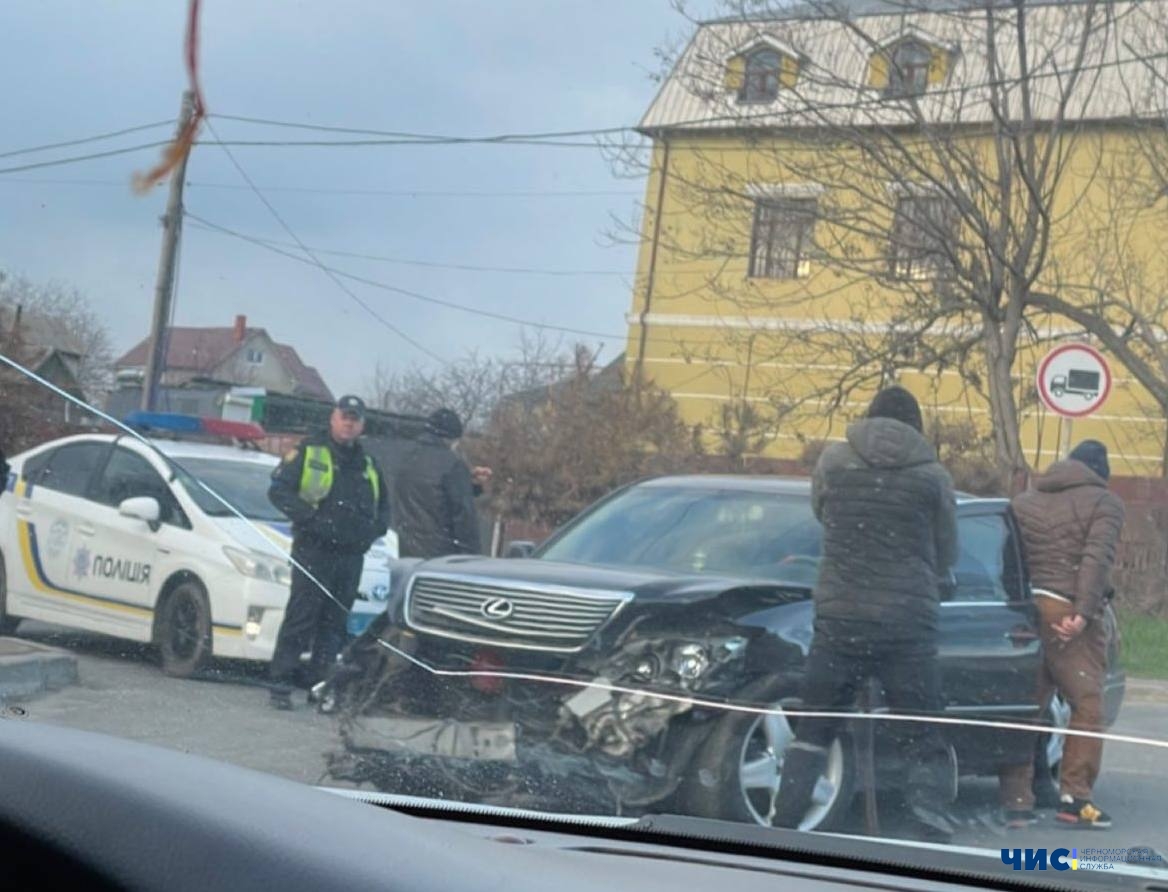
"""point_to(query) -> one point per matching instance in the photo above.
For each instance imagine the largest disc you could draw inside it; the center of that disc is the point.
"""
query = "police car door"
(122, 551)
(50, 508)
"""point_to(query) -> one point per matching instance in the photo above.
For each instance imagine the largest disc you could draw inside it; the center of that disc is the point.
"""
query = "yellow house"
(834, 204)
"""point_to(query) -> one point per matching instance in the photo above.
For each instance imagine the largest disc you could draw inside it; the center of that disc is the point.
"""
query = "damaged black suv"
(644, 657)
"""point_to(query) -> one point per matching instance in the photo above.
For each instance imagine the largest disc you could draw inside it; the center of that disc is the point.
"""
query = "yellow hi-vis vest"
(316, 480)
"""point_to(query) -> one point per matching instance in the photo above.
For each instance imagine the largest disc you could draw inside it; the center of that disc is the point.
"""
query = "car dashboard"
(100, 812)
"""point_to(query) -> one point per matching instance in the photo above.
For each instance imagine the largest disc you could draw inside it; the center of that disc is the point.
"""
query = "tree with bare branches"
(473, 385)
(587, 434)
(852, 198)
(63, 318)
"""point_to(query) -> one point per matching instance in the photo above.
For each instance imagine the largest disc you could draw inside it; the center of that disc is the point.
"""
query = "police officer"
(337, 500)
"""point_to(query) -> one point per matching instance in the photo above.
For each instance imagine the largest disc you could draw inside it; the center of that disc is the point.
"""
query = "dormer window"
(755, 73)
(908, 75)
(760, 81)
(910, 64)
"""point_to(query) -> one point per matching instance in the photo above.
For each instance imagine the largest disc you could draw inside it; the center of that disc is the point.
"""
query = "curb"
(1145, 690)
(28, 669)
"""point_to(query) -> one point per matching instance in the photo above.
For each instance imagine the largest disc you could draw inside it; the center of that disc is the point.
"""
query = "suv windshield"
(698, 530)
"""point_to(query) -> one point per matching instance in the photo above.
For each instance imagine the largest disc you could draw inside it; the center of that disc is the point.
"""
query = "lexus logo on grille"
(497, 608)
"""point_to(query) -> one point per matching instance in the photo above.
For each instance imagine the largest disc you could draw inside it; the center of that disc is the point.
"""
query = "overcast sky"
(79, 67)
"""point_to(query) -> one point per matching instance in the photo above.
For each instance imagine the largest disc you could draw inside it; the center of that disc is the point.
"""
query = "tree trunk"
(1003, 405)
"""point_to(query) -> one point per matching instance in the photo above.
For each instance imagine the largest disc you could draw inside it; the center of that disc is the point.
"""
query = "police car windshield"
(698, 530)
(243, 484)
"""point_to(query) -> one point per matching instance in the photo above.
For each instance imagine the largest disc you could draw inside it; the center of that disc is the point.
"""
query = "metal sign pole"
(1065, 427)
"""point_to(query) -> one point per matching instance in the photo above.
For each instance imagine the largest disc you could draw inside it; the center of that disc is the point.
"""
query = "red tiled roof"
(202, 349)
(308, 380)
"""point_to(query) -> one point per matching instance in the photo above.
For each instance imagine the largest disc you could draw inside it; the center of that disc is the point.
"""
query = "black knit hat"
(896, 402)
(445, 423)
(1093, 454)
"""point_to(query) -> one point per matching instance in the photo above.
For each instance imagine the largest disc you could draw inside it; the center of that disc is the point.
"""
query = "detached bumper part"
(481, 741)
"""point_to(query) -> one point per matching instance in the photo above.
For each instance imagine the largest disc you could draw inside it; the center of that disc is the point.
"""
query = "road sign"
(1074, 380)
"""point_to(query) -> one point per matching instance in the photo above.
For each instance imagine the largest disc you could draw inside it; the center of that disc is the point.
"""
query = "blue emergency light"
(175, 423)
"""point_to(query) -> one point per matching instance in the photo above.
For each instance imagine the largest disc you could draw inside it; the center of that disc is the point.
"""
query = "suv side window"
(128, 475)
(988, 568)
(70, 469)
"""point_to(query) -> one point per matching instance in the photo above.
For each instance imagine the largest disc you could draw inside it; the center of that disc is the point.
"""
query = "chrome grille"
(507, 614)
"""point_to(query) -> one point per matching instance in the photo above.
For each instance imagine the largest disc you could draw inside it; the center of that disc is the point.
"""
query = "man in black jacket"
(434, 493)
(337, 500)
(889, 539)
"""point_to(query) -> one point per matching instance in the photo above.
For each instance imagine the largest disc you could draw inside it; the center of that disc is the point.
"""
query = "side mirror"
(519, 548)
(143, 508)
(949, 586)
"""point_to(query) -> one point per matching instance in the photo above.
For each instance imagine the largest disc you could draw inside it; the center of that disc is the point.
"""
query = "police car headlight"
(258, 566)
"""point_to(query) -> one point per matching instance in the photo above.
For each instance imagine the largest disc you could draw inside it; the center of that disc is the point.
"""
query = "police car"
(99, 532)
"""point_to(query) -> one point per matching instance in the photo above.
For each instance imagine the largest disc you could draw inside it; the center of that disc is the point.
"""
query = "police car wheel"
(184, 630)
(8, 623)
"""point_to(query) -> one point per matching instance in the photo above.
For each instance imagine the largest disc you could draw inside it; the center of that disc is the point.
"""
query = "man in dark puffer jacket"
(890, 536)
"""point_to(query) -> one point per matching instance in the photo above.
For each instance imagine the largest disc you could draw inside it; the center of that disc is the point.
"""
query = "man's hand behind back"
(1069, 627)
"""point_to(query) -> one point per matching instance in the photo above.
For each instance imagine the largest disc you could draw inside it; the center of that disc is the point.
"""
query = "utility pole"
(164, 286)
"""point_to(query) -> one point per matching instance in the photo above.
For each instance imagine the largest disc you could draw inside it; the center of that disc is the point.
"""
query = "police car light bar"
(174, 423)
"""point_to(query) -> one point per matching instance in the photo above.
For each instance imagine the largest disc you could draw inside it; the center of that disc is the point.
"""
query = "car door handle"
(1021, 636)
(85, 529)
(24, 509)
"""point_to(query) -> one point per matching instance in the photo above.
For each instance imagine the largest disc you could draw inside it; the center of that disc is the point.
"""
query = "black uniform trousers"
(313, 619)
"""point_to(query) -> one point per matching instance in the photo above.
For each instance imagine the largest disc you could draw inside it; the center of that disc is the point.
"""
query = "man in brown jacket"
(1070, 527)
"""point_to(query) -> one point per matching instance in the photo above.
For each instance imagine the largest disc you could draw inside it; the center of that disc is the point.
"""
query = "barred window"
(782, 238)
(922, 231)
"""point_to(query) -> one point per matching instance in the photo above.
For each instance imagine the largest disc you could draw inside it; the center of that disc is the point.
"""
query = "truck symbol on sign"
(1078, 381)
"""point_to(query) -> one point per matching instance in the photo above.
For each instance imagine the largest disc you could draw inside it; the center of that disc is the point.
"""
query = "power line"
(876, 100)
(436, 137)
(316, 261)
(86, 139)
(731, 120)
(429, 264)
(396, 138)
(387, 193)
(360, 143)
(405, 292)
(438, 193)
(79, 158)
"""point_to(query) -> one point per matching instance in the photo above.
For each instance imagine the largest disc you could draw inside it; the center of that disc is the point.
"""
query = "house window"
(781, 241)
(923, 229)
(760, 82)
(908, 73)
(255, 357)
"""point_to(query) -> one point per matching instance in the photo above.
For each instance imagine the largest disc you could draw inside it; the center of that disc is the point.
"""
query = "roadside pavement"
(28, 668)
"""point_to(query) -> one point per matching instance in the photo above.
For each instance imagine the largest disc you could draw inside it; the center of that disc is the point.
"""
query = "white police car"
(98, 532)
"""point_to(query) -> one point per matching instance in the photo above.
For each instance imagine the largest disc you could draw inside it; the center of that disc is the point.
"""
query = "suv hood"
(647, 586)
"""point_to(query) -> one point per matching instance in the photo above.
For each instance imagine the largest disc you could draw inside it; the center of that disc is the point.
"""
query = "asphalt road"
(225, 715)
